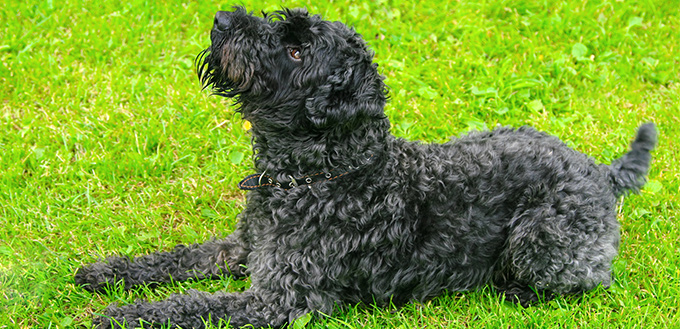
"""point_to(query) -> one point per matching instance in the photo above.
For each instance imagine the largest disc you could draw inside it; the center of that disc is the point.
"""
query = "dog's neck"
(297, 153)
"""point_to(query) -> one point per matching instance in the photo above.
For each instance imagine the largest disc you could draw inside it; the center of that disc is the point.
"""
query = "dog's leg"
(561, 247)
(197, 308)
(208, 260)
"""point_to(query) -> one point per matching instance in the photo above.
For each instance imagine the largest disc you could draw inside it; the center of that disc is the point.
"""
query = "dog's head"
(289, 69)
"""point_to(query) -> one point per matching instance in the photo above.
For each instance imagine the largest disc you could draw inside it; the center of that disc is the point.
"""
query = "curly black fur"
(515, 208)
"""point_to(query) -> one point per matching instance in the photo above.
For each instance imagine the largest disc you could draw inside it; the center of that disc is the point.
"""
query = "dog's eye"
(294, 53)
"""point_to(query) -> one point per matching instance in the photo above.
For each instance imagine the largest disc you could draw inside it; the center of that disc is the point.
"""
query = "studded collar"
(262, 180)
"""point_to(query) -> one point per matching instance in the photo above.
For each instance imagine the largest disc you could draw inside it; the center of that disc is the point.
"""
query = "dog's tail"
(628, 172)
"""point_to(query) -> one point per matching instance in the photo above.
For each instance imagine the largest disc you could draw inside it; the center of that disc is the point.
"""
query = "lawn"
(109, 146)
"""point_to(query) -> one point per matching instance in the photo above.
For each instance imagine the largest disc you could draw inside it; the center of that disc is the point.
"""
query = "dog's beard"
(238, 72)
(223, 69)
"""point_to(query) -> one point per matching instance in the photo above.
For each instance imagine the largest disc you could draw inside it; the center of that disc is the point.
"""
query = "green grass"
(107, 144)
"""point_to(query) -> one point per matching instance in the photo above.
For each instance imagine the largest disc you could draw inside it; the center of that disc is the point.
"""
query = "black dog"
(343, 212)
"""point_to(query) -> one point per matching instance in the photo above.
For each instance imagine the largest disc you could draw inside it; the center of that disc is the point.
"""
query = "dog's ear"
(353, 92)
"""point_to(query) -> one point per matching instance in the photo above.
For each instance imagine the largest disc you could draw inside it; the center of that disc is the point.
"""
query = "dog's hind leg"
(562, 247)
(208, 260)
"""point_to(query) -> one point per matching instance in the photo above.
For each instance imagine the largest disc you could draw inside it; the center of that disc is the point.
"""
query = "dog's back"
(538, 214)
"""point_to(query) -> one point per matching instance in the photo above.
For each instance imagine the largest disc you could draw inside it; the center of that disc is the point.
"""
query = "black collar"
(255, 181)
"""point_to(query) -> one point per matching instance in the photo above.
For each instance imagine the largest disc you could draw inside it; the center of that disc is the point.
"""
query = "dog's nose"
(222, 20)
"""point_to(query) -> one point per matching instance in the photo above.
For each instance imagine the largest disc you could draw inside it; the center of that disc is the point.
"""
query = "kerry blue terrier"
(343, 212)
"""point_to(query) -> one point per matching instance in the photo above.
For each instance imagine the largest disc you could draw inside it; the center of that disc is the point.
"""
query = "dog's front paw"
(96, 276)
(116, 317)
(143, 314)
